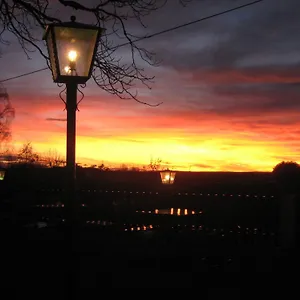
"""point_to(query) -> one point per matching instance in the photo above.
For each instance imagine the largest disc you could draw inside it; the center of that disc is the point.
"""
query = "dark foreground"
(109, 257)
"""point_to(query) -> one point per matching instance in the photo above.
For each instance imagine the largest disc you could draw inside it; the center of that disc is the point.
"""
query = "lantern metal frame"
(170, 180)
(54, 61)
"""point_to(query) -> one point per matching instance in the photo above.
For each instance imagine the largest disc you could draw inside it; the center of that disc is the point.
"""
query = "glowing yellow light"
(172, 211)
(178, 211)
(167, 178)
(67, 69)
(156, 211)
(185, 212)
(72, 55)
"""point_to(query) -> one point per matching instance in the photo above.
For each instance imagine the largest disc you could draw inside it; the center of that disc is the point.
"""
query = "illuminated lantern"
(72, 48)
(2, 174)
(167, 177)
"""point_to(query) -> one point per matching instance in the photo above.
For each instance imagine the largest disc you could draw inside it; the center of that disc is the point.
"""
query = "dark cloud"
(238, 167)
(257, 98)
(56, 119)
(243, 63)
(227, 41)
(218, 164)
(203, 166)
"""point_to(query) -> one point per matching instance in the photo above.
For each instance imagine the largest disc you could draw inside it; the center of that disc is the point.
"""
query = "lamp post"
(72, 48)
(167, 179)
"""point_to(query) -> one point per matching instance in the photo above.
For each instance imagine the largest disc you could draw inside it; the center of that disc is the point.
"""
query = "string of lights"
(152, 35)
(236, 231)
(201, 194)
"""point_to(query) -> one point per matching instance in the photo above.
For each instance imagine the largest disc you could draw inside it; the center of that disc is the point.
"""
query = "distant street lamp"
(72, 48)
(167, 177)
(2, 174)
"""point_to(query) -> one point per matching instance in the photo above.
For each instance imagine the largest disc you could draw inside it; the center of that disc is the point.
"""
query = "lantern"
(167, 177)
(2, 174)
(72, 48)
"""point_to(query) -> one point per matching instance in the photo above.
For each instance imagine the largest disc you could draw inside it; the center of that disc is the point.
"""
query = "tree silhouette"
(26, 154)
(53, 159)
(7, 114)
(25, 19)
(155, 164)
(102, 167)
(287, 175)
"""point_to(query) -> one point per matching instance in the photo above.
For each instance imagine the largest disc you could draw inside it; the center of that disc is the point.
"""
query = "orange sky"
(229, 104)
(122, 131)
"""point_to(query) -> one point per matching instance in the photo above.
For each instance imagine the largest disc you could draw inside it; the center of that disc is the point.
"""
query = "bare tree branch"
(25, 18)
(7, 113)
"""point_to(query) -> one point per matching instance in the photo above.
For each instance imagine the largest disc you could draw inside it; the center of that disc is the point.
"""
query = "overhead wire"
(152, 35)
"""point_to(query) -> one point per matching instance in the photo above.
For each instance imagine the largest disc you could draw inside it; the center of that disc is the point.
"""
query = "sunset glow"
(228, 105)
(183, 140)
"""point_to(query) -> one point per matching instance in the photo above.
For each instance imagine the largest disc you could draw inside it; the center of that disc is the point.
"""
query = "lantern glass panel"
(75, 49)
(167, 177)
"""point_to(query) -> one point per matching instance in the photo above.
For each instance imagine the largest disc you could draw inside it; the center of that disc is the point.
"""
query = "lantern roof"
(71, 24)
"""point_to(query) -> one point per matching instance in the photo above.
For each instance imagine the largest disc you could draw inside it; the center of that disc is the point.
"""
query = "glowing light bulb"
(72, 55)
(67, 69)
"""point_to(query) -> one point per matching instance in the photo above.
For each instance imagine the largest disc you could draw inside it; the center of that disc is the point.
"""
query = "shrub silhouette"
(287, 175)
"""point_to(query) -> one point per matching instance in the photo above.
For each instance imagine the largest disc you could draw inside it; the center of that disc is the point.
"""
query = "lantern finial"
(73, 18)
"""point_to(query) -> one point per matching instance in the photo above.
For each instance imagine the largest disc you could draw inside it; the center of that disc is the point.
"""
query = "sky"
(229, 86)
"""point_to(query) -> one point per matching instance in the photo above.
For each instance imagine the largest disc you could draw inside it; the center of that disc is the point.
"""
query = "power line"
(22, 75)
(153, 34)
(190, 23)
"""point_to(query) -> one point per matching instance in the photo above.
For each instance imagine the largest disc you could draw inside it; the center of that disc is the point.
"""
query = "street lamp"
(72, 48)
(167, 177)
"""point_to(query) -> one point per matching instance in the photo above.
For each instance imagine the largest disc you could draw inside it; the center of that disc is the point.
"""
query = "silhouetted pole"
(71, 151)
